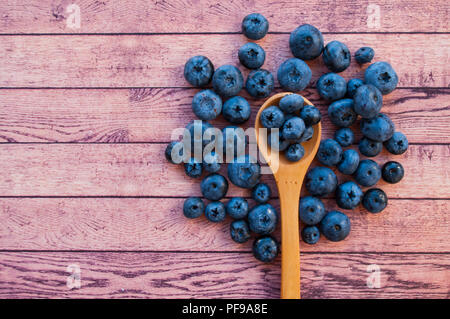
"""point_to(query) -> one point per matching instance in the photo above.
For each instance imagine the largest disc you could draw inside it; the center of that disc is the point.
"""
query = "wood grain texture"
(131, 115)
(49, 16)
(158, 224)
(224, 275)
(141, 170)
(158, 60)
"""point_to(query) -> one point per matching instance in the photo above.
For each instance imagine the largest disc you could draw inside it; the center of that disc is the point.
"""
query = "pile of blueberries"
(291, 122)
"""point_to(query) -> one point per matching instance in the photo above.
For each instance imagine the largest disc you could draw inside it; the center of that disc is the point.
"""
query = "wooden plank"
(141, 170)
(225, 275)
(226, 16)
(158, 60)
(157, 224)
(131, 115)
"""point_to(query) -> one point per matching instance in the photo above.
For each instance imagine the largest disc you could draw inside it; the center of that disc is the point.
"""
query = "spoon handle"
(289, 191)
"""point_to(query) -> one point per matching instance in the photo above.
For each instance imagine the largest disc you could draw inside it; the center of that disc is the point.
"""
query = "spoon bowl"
(289, 179)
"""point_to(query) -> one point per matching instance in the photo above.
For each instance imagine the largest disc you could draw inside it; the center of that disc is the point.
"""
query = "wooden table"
(85, 115)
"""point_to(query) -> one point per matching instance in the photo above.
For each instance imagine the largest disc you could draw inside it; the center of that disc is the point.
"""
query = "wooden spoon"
(289, 178)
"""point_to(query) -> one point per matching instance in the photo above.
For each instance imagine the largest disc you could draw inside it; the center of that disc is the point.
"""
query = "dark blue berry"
(262, 219)
(261, 193)
(193, 168)
(330, 152)
(375, 200)
(348, 195)
(294, 75)
(310, 234)
(260, 83)
(306, 42)
(236, 110)
(349, 162)
(368, 101)
(320, 181)
(237, 208)
(227, 80)
(310, 115)
(352, 86)
(344, 136)
(272, 117)
(331, 87)
(335, 226)
(291, 103)
(214, 187)
(244, 171)
(265, 249)
(193, 207)
(207, 105)
(381, 75)
(370, 148)
(255, 26)
(311, 210)
(239, 231)
(251, 55)
(392, 172)
(364, 55)
(380, 129)
(215, 212)
(368, 173)
(342, 113)
(198, 71)
(336, 56)
(397, 144)
(295, 152)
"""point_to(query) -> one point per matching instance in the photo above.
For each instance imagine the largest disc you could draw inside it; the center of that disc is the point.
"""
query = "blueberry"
(275, 138)
(261, 193)
(255, 26)
(236, 110)
(237, 207)
(215, 212)
(310, 234)
(239, 231)
(368, 101)
(196, 130)
(349, 162)
(307, 135)
(379, 129)
(295, 152)
(193, 168)
(331, 87)
(174, 152)
(392, 172)
(368, 173)
(311, 210)
(251, 55)
(352, 86)
(336, 56)
(306, 42)
(214, 187)
(375, 200)
(364, 55)
(193, 207)
(348, 195)
(294, 75)
(397, 144)
(260, 83)
(330, 152)
(212, 162)
(291, 103)
(234, 141)
(262, 219)
(321, 181)
(265, 249)
(293, 128)
(381, 75)
(310, 115)
(244, 171)
(335, 226)
(344, 136)
(198, 71)
(227, 81)
(369, 148)
(272, 117)
(207, 105)
(342, 113)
